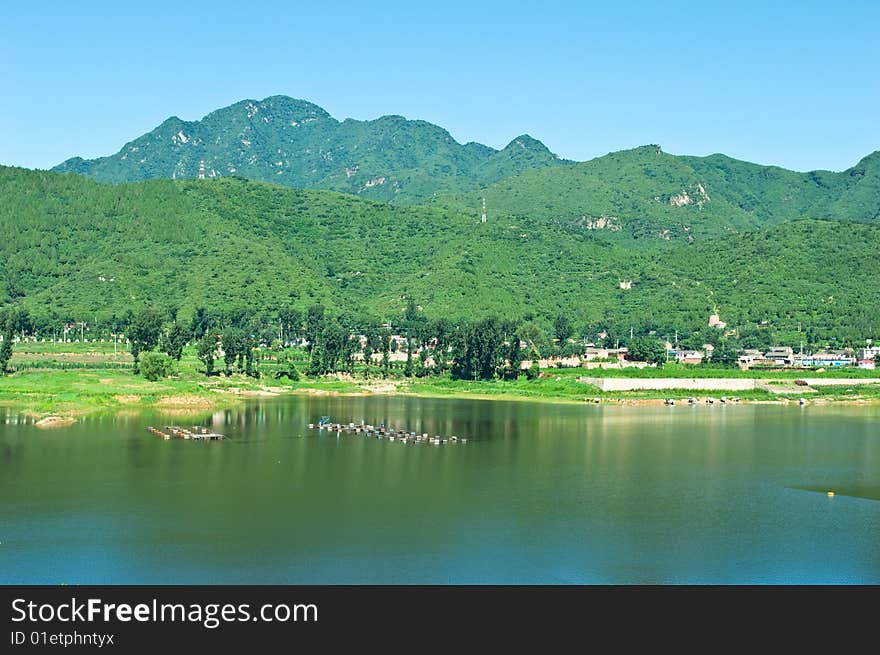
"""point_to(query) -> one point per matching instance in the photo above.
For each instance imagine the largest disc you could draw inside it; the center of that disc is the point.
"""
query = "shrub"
(287, 367)
(155, 365)
(533, 372)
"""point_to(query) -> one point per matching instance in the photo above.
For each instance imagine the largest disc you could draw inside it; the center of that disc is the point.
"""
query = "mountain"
(643, 194)
(75, 249)
(297, 144)
(649, 195)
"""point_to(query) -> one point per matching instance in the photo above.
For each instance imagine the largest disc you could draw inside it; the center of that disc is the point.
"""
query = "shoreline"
(77, 395)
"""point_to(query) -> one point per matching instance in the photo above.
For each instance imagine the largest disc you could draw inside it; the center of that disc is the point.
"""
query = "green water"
(540, 494)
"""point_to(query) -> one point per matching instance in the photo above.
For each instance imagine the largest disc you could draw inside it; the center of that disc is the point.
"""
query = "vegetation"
(204, 252)
(645, 349)
(154, 366)
(298, 144)
(144, 332)
(75, 378)
(647, 197)
(254, 279)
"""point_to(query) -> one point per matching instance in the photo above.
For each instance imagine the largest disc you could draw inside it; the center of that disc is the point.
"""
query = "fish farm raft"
(197, 433)
(382, 432)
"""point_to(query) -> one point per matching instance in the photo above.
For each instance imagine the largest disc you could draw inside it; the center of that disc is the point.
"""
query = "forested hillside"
(75, 249)
(646, 194)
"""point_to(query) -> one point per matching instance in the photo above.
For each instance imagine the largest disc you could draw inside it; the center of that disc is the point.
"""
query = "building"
(867, 364)
(716, 322)
(779, 356)
(830, 358)
(871, 352)
(689, 357)
(592, 353)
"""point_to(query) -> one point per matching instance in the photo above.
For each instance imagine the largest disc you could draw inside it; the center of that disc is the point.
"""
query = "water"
(541, 494)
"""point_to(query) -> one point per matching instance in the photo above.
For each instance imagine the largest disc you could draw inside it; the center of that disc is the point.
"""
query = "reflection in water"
(540, 494)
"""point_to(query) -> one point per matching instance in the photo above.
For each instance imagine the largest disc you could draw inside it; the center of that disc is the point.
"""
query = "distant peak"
(526, 142)
(273, 104)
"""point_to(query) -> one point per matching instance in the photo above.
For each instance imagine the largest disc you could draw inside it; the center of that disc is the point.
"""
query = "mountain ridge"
(296, 143)
(645, 194)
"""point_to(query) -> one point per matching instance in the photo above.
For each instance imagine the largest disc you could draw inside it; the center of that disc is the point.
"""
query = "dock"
(382, 432)
(197, 433)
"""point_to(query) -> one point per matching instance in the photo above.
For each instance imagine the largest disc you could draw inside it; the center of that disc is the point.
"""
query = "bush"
(155, 365)
(533, 372)
(287, 367)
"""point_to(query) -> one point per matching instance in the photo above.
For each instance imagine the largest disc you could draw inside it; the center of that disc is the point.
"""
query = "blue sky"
(795, 84)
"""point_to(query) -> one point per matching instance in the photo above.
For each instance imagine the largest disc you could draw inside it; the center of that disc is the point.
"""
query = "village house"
(689, 357)
(593, 353)
(780, 355)
(829, 358)
(871, 352)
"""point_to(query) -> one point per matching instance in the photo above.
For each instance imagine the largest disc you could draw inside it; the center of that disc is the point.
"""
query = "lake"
(541, 493)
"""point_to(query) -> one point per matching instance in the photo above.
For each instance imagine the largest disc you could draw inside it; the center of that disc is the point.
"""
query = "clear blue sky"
(790, 83)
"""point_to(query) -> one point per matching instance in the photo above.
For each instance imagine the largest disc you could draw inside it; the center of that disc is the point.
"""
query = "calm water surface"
(541, 494)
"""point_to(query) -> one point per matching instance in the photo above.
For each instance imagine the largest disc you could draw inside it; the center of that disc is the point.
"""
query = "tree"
(442, 330)
(533, 372)
(725, 354)
(371, 344)
(647, 349)
(291, 322)
(207, 351)
(315, 323)
(144, 332)
(287, 367)
(175, 340)
(155, 365)
(199, 324)
(512, 351)
(408, 370)
(8, 325)
(412, 311)
(386, 355)
(233, 348)
(562, 328)
(478, 350)
(332, 347)
(247, 351)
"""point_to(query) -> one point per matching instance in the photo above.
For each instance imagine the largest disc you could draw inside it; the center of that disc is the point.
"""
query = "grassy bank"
(76, 379)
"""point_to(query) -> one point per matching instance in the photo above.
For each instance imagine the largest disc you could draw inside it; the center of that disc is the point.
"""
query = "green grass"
(542, 389)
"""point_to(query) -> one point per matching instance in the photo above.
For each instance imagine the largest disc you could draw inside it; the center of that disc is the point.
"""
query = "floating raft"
(382, 432)
(197, 433)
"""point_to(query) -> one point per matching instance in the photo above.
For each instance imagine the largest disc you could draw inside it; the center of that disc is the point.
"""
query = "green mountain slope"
(296, 143)
(79, 250)
(650, 195)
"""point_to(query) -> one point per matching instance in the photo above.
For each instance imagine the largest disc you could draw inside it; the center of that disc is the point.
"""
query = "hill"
(648, 195)
(75, 249)
(296, 143)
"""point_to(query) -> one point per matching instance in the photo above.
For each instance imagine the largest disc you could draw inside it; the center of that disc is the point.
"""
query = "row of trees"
(472, 350)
